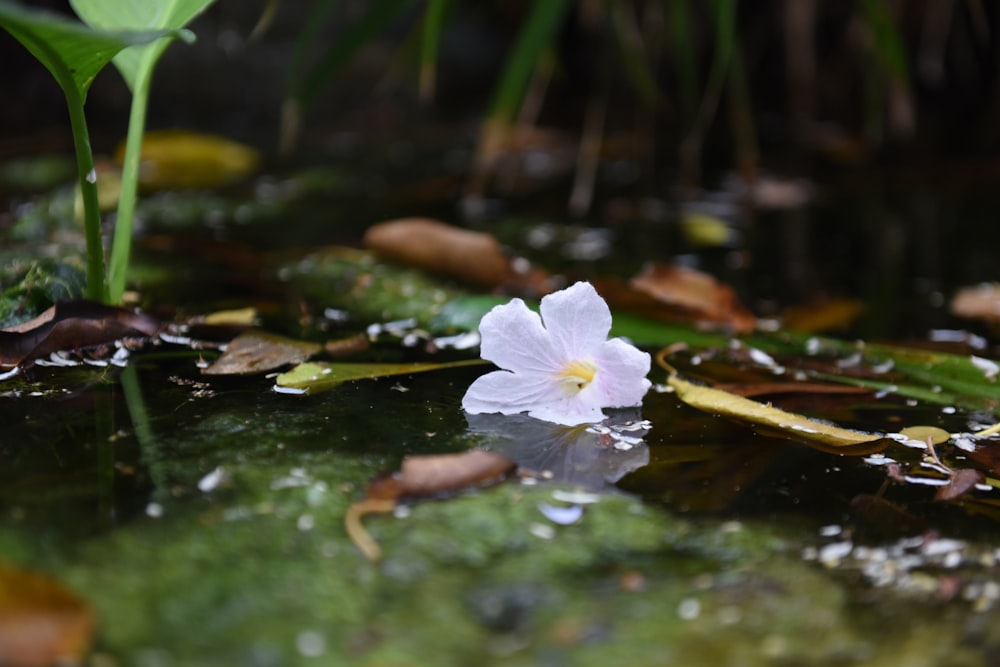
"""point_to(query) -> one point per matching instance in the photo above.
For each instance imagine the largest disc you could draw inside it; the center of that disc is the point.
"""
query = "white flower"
(562, 372)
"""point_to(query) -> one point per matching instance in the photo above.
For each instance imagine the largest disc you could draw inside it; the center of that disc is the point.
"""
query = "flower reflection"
(589, 456)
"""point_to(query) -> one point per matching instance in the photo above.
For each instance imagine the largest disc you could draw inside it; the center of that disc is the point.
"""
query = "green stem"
(96, 288)
(121, 248)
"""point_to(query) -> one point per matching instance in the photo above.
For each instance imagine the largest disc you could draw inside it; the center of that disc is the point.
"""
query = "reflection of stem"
(104, 428)
(141, 427)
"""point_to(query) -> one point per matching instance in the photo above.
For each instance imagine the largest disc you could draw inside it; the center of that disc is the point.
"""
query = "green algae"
(258, 571)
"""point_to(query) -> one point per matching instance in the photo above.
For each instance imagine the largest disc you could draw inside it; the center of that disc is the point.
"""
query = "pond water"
(200, 518)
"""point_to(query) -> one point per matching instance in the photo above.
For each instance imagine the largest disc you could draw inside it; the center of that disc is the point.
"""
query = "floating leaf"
(72, 325)
(823, 316)
(175, 159)
(980, 302)
(315, 377)
(462, 254)
(706, 299)
(260, 351)
(961, 482)
(421, 477)
(705, 230)
(935, 434)
(787, 424)
(41, 622)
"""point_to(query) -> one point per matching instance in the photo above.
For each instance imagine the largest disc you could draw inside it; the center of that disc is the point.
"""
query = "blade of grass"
(430, 42)
(535, 38)
(724, 15)
(378, 16)
(631, 50)
(681, 29)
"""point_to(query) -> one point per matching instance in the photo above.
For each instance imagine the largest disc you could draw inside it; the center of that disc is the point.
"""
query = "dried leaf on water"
(314, 377)
(698, 295)
(466, 255)
(259, 351)
(962, 481)
(979, 302)
(72, 325)
(41, 622)
(827, 437)
(826, 315)
(422, 477)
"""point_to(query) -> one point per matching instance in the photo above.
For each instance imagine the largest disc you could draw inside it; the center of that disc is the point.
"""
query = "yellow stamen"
(578, 374)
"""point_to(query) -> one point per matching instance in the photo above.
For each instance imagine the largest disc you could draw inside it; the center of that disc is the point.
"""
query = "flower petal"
(621, 381)
(514, 339)
(507, 393)
(578, 320)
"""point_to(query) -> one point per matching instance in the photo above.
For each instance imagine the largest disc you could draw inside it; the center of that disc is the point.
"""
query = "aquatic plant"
(133, 36)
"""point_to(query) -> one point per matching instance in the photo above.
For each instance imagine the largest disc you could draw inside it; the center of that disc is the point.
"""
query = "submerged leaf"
(260, 351)
(317, 376)
(41, 622)
(433, 475)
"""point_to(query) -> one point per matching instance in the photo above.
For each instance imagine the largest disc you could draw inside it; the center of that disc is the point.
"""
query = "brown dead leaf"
(826, 315)
(72, 325)
(963, 481)
(259, 351)
(980, 302)
(697, 295)
(462, 254)
(422, 477)
(41, 622)
(987, 455)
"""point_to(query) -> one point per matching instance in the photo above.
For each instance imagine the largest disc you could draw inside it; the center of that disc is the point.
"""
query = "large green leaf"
(73, 52)
(149, 14)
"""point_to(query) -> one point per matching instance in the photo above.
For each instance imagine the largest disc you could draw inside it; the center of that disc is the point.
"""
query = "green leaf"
(170, 16)
(73, 52)
(316, 377)
(430, 41)
(372, 22)
(537, 35)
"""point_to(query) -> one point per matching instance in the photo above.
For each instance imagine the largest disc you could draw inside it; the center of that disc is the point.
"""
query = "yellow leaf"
(786, 424)
(174, 159)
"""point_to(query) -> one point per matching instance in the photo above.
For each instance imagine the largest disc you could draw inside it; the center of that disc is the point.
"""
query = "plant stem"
(96, 288)
(121, 248)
